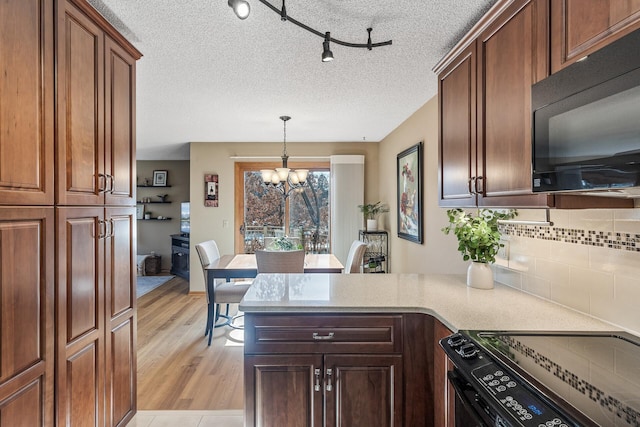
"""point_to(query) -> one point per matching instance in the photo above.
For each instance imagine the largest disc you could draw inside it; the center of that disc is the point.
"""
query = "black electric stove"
(546, 379)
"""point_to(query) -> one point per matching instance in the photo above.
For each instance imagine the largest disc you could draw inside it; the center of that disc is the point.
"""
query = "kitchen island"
(334, 349)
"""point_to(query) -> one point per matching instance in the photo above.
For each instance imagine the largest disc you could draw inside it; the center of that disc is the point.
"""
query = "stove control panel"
(513, 396)
(502, 388)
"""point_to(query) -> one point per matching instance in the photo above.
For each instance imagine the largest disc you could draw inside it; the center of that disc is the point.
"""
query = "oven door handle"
(469, 406)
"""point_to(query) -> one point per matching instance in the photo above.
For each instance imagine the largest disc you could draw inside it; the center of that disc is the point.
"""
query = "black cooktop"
(596, 373)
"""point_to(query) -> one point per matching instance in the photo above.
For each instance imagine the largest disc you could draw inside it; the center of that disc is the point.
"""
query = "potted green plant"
(284, 243)
(478, 241)
(371, 212)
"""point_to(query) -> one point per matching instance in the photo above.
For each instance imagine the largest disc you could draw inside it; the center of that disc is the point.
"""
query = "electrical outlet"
(225, 223)
(502, 257)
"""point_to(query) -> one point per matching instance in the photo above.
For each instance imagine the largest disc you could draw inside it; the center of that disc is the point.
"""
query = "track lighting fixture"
(242, 9)
(327, 55)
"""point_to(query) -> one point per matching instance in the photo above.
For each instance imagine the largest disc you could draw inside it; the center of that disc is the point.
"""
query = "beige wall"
(154, 236)
(438, 253)
(218, 223)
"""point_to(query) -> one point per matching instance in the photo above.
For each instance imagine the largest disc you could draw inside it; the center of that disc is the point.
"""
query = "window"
(262, 212)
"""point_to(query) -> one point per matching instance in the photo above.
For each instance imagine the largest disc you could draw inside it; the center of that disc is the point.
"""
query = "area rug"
(146, 284)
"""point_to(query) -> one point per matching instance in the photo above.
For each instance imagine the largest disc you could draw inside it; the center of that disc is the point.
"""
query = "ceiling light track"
(242, 9)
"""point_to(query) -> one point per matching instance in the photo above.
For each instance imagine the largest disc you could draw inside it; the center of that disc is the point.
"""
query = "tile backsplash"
(589, 260)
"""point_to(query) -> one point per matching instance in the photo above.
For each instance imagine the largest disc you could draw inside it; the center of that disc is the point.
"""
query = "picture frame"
(409, 195)
(211, 195)
(139, 211)
(160, 178)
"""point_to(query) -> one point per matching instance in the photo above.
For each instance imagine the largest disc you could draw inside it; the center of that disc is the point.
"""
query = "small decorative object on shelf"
(371, 212)
(376, 257)
(163, 198)
(159, 178)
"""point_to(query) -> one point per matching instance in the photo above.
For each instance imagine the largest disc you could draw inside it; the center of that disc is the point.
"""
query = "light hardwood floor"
(176, 368)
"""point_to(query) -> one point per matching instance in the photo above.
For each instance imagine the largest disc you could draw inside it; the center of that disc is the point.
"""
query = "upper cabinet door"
(120, 141)
(80, 79)
(580, 27)
(511, 57)
(26, 103)
(457, 105)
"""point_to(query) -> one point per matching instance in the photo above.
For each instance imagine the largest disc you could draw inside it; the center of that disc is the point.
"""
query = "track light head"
(327, 55)
(240, 7)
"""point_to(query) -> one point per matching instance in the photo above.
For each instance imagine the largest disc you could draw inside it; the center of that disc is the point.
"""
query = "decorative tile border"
(605, 239)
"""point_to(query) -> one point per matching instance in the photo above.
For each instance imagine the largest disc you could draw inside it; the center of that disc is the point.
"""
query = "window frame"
(239, 169)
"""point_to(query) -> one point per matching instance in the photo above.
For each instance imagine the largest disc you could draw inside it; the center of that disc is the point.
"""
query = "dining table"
(244, 266)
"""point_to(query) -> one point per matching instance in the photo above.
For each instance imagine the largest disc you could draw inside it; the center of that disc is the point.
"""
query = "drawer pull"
(317, 385)
(317, 336)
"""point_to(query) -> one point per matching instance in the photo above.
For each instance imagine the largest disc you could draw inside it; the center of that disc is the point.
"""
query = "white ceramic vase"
(372, 225)
(480, 275)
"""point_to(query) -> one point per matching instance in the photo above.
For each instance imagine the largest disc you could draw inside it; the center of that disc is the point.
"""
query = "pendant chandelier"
(284, 179)
(242, 9)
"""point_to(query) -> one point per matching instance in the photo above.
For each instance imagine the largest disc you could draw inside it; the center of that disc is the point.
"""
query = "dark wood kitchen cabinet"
(96, 114)
(444, 406)
(95, 316)
(323, 370)
(580, 27)
(485, 111)
(95, 199)
(27, 87)
(27, 307)
(67, 138)
(484, 93)
(457, 104)
(512, 55)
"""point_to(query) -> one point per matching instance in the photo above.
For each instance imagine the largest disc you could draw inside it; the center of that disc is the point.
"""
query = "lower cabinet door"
(283, 390)
(363, 390)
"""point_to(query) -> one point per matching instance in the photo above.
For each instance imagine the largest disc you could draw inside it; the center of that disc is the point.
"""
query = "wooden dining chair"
(280, 261)
(223, 292)
(355, 257)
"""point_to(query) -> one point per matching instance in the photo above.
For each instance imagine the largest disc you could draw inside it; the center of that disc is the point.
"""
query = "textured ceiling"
(208, 76)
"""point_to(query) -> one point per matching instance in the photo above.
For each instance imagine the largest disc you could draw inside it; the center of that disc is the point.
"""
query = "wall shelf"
(142, 202)
(155, 219)
(153, 186)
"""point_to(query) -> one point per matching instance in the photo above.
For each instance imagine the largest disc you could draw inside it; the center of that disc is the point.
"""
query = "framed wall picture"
(159, 178)
(409, 207)
(211, 190)
(139, 211)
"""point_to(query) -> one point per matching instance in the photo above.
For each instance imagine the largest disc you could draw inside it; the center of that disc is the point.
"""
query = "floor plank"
(176, 368)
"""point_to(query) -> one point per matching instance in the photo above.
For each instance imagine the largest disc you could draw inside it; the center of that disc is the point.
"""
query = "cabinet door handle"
(102, 225)
(111, 228)
(317, 336)
(471, 180)
(316, 387)
(110, 183)
(481, 190)
(329, 387)
(102, 183)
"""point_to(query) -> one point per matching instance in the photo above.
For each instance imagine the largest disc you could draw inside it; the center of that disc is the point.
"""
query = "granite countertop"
(445, 297)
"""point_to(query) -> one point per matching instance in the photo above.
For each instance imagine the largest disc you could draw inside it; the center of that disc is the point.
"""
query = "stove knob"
(468, 351)
(456, 340)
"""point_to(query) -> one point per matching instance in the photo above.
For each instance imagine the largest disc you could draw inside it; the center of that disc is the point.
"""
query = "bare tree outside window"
(265, 213)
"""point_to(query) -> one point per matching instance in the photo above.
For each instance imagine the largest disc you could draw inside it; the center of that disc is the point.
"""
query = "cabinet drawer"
(322, 334)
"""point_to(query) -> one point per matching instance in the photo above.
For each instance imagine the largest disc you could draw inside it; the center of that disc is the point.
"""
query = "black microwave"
(586, 124)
